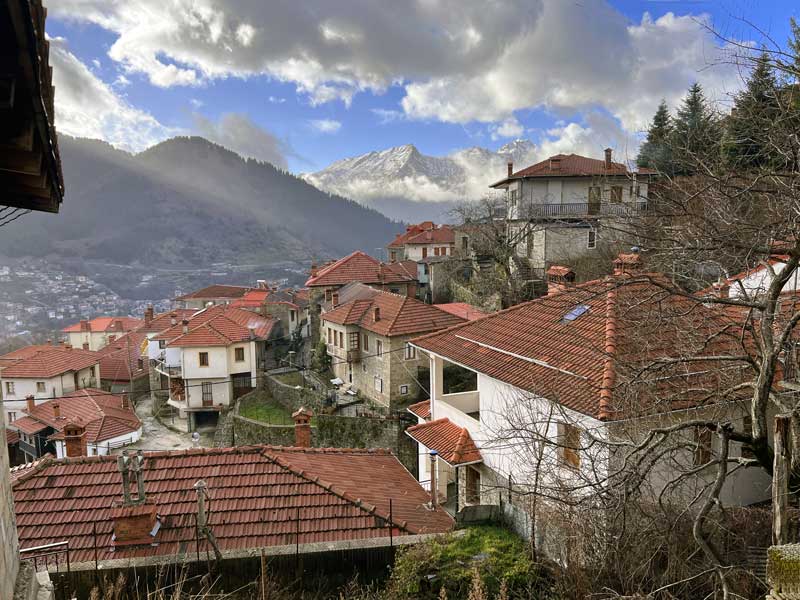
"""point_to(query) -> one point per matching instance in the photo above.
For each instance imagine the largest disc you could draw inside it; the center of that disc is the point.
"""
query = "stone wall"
(292, 397)
(9, 557)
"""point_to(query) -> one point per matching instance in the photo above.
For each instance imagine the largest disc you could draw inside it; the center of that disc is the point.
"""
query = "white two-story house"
(99, 332)
(45, 372)
(518, 397)
(556, 207)
(212, 358)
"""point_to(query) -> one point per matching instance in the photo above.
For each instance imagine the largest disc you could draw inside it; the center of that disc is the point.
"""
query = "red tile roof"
(453, 443)
(50, 361)
(163, 321)
(407, 268)
(26, 352)
(219, 325)
(358, 266)
(12, 437)
(582, 345)
(256, 494)
(107, 324)
(119, 361)
(28, 425)
(100, 413)
(569, 165)
(252, 299)
(399, 315)
(216, 291)
(421, 409)
(461, 309)
(424, 233)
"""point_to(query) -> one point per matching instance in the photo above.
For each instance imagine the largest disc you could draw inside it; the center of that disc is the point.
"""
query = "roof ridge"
(32, 468)
(609, 349)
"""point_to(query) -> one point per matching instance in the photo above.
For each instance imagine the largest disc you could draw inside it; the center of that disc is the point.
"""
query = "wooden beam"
(20, 161)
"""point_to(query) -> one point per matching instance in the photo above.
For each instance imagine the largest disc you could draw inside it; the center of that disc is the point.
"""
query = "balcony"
(576, 210)
(462, 408)
(162, 367)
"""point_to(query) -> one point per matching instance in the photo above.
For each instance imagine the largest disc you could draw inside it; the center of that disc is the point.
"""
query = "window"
(292, 314)
(404, 390)
(473, 486)
(328, 295)
(238, 354)
(162, 344)
(424, 253)
(378, 383)
(436, 251)
(91, 371)
(10, 387)
(330, 336)
(366, 343)
(394, 290)
(140, 363)
(352, 341)
(702, 446)
(616, 194)
(379, 349)
(591, 239)
(208, 392)
(203, 359)
(411, 352)
(569, 440)
(40, 387)
(393, 256)
(341, 339)
(12, 416)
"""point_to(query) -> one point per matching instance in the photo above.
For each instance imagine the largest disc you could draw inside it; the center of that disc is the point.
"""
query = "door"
(208, 393)
(473, 485)
(241, 384)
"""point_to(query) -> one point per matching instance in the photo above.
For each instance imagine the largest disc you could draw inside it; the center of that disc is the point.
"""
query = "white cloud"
(239, 133)
(325, 125)
(85, 106)
(276, 100)
(388, 115)
(510, 128)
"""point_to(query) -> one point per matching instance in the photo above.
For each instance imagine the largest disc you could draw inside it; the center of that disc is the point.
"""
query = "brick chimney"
(85, 345)
(85, 325)
(302, 427)
(126, 402)
(56, 410)
(510, 168)
(376, 313)
(173, 319)
(185, 324)
(74, 440)
(314, 269)
(30, 403)
(608, 152)
(135, 525)
(558, 277)
(118, 326)
(629, 264)
(148, 314)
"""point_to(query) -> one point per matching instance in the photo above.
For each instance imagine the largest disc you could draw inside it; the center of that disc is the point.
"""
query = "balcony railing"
(169, 370)
(582, 209)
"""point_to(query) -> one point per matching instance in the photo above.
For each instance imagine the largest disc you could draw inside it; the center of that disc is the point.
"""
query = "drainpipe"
(434, 492)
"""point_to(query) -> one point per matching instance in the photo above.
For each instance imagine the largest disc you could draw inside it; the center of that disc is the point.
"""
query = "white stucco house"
(99, 332)
(528, 396)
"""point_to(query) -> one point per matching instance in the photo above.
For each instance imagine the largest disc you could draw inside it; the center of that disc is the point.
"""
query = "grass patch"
(271, 412)
(292, 378)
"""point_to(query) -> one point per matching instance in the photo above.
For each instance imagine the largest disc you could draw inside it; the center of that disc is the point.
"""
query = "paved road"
(156, 436)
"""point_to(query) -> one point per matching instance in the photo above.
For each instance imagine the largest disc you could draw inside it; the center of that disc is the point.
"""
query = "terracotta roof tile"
(421, 409)
(462, 309)
(163, 321)
(358, 266)
(50, 361)
(252, 299)
(398, 315)
(219, 325)
(12, 437)
(570, 165)
(28, 425)
(426, 232)
(453, 443)
(256, 494)
(119, 361)
(107, 324)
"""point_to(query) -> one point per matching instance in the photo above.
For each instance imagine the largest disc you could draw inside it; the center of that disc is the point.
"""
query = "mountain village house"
(84, 423)
(427, 239)
(566, 365)
(124, 364)
(211, 358)
(367, 341)
(45, 372)
(99, 332)
(211, 296)
(563, 201)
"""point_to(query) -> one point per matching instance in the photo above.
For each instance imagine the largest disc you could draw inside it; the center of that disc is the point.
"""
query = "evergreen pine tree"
(655, 151)
(696, 133)
(794, 47)
(747, 142)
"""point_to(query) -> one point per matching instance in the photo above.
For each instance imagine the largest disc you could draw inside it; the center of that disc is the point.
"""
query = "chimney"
(135, 525)
(85, 325)
(148, 314)
(252, 331)
(335, 298)
(721, 288)
(376, 313)
(185, 324)
(510, 168)
(555, 164)
(136, 466)
(85, 345)
(628, 264)
(56, 410)
(558, 277)
(126, 403)
(173, 319)
(313, 269)
(48, 342)
(31, 403)
(262, 284)
(434, 492)
(118, 326)
(608, 158)
(112, 337)
(74, 440)
(302, 427)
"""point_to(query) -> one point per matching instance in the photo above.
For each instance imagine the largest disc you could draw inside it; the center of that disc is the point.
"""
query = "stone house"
(100, 332)
(557, 206)
(368, 342)
(570, 364)
(45, 372)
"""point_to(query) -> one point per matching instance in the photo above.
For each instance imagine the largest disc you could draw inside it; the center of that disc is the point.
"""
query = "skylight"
(575, 312)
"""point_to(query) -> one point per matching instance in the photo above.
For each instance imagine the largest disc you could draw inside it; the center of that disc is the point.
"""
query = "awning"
(453, 443)
(421, 409)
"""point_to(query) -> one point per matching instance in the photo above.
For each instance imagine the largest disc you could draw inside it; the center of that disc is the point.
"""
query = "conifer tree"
(655, 151)
(793, 67)
(696, 133)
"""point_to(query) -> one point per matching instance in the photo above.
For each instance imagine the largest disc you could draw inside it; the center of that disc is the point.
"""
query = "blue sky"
(342, 85)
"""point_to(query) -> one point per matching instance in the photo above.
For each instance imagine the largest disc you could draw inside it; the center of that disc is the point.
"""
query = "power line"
(13, 216)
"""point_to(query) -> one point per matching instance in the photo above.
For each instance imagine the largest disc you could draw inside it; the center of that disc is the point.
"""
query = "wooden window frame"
(410, 352)
(10, 388)
(238, 354)
(207, 391)
(203, 362)
(404, 389)
(366, 343)
(353, 340)
(379, 349)
(41, 387)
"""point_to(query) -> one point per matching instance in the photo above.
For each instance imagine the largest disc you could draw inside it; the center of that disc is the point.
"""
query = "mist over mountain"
(187, 201)
(405, 184)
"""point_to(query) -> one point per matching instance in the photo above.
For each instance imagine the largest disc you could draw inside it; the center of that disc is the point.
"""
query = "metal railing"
(583, 209)
(57, 552)
(162, 367)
